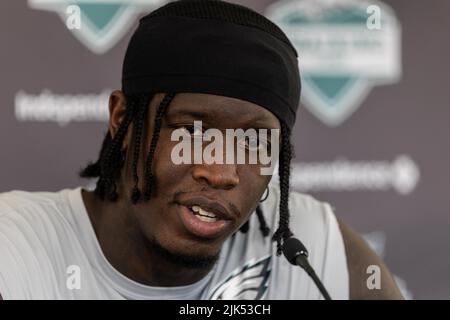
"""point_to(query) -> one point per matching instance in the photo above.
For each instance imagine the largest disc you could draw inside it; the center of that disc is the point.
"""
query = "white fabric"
(43, 233)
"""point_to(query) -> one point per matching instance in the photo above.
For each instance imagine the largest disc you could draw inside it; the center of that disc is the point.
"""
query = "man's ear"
(117, 109)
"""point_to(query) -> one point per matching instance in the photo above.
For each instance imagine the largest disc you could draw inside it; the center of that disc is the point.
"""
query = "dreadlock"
(283, 232)
(284, 169)
(157, 128)
(140, 115)
(111, 160)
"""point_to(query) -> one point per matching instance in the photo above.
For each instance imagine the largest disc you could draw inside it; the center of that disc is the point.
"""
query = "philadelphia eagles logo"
(103, 22)
(340, 58)
(249, 282)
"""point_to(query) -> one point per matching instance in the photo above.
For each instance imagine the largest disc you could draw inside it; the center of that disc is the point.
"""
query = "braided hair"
(110, 162)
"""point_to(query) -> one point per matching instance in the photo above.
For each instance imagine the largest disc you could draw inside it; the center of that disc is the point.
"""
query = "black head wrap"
(214, 47)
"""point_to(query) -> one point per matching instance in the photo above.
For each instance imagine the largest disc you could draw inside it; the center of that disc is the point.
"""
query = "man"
(157, 229)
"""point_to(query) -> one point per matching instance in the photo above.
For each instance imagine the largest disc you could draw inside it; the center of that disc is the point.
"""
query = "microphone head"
(292, 248)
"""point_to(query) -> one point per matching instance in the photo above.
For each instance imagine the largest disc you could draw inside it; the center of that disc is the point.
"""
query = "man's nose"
(218, 176)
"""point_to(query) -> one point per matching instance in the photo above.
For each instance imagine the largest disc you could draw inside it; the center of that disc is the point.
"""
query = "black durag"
(214, 47)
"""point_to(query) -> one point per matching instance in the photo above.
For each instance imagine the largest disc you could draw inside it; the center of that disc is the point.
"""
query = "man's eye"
(255, 143)
(192, 131)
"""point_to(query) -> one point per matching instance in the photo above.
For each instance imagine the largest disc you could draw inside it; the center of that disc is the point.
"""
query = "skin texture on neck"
(127, 232)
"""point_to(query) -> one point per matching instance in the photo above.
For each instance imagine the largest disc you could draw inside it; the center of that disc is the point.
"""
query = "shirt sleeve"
(21, 275)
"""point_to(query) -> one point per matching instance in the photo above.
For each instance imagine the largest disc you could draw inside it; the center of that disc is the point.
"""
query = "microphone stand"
(296, 253)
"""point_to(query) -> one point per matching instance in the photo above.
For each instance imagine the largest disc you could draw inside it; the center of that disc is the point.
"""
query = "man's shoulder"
(362, 260)
(311, 219)
(34, 228)
(313, 222)
(19, 207)
(303, 206)
(18, 200)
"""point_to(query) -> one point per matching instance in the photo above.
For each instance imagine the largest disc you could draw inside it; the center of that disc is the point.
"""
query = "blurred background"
(372, 133)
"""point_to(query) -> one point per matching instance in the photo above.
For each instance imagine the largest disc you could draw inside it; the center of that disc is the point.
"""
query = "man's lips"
(210, 219)
(214, 207)
(204, 229)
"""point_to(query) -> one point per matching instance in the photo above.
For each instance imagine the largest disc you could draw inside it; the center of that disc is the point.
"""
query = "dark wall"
(394, 146)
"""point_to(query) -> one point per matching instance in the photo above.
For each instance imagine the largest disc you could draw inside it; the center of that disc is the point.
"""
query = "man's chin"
(187, 260)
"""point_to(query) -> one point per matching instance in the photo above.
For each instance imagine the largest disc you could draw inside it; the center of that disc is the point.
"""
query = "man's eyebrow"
(256, 123)
(261, 124)
(190, 113)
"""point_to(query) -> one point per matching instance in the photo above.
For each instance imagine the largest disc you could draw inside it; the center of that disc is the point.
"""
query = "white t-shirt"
(48, 250)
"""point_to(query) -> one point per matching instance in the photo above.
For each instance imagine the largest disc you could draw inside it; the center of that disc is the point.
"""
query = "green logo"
(346, 47)
(102, 22)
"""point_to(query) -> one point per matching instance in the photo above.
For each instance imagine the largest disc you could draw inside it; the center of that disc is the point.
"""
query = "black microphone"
(296, 253)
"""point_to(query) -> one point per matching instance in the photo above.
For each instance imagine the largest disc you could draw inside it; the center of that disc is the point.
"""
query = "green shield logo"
(341, 58)
(102, 22)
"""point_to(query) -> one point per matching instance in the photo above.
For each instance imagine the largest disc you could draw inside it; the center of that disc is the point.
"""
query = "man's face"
(232, 191)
